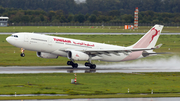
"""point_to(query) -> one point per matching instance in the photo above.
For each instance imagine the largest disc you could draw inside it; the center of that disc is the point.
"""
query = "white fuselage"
(57, 45)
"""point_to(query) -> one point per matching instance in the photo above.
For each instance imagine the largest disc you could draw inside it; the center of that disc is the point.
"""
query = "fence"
(88, 24)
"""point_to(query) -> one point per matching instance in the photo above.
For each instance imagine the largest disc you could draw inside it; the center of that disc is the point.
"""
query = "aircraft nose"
(7, 39)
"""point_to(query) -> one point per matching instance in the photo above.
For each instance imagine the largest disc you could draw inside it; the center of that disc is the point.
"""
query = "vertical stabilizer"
(150, 38)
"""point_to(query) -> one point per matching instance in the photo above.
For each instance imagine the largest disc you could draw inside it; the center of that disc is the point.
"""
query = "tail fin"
(150, 38)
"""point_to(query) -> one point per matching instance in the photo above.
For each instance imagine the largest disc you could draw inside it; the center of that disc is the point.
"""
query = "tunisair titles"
(73, 42)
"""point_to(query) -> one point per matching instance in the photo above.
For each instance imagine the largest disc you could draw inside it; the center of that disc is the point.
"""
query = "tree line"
(70, 6)
(59, 16)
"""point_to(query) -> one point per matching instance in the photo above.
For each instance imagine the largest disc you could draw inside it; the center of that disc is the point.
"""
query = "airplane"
(78, 50)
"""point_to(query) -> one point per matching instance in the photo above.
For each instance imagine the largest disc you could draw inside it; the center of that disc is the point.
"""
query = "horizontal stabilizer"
(147, 54)
(158, 46)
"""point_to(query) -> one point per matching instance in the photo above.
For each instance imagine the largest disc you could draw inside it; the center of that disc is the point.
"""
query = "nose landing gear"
(22, 53)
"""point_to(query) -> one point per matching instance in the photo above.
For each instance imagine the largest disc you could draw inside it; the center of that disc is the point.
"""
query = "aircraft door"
(26, 38)
(49, 41)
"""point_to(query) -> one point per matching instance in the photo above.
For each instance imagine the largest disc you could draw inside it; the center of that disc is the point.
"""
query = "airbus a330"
(78, 50)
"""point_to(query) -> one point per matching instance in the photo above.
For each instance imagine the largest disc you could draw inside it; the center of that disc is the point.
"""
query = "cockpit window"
(14, 36)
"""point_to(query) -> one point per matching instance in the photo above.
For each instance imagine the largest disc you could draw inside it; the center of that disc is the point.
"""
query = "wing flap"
(124, 50)
(112, 50)
(108, 51)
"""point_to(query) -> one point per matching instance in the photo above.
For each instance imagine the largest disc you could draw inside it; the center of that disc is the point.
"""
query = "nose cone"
(7, 39)
(10, 40)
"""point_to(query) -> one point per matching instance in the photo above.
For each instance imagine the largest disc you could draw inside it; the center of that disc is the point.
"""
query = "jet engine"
(46, 55)
(76, 55)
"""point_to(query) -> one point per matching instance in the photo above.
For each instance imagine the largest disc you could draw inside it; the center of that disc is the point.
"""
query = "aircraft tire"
(69, 63)
(22, 55)
(87, 64)
(92, 66)
(75, 65)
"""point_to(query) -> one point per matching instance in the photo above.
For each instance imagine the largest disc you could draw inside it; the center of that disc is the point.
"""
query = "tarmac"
(82, 69)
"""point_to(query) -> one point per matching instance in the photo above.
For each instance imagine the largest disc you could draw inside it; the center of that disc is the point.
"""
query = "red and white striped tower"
(75, 78)
(136, 18)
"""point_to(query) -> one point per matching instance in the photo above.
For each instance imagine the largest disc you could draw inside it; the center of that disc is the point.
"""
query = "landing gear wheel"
(87, 64)
(75, 65)
(22, 55)
(69, 63)
(92, 66)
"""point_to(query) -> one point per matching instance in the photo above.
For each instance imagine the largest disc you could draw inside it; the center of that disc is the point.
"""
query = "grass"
(10, 55)
(83, 29)
(91, 85)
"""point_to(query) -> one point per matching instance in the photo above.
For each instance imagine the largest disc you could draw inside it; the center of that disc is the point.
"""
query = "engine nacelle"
(46, 55)
(76, 55)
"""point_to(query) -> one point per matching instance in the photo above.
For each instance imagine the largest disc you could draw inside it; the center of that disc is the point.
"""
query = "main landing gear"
(88, 64)
(92, 66)
(22, 53)
(74, 65)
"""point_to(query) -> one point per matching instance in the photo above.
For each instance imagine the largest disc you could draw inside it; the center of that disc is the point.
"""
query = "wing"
(127, 50)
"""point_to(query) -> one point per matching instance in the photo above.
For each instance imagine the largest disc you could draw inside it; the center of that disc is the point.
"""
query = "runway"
(68, 69)
(156, 65)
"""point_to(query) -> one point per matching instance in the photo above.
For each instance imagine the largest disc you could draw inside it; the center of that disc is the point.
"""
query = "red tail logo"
(147, 39)
(154, 34)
